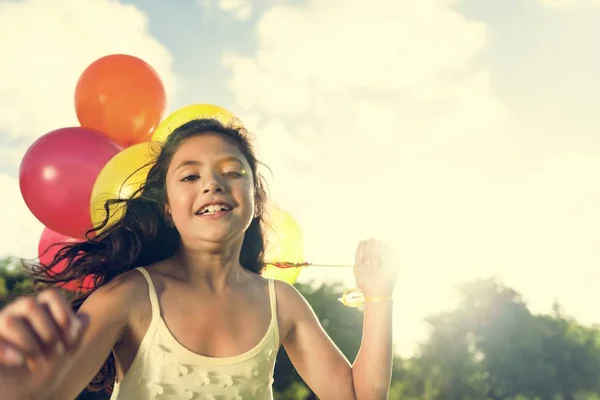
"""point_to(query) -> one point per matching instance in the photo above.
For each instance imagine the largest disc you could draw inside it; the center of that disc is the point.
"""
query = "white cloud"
(205, 4)
(362, 84)
(46, 47)
(379, 120)
(554, 3)
(378, 45)
(239, 9)
(10, 157)
(20, 233)
(561, 3)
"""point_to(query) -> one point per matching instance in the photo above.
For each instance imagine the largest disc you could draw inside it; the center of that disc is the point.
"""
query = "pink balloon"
(57, 175)
(47, 252)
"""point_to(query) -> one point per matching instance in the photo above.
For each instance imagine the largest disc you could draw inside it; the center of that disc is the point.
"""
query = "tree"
(574, 352)
(447, 365)
(14, 282)
(492, 347)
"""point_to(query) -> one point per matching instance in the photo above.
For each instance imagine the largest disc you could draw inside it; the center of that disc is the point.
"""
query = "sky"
(464, 133)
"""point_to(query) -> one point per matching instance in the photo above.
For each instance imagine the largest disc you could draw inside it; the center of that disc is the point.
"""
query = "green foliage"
(295, 391)
(13, 280)
(492, 347)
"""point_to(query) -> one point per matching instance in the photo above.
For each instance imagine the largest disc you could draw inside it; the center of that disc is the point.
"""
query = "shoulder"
(287, 294)
(128, 284)
(292, 307)
(121, 294)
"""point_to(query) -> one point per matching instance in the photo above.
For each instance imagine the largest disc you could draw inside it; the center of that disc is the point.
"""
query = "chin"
(216, 237)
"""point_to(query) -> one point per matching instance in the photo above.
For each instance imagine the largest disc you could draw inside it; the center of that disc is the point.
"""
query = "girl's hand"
(37, 335)
(375, 268)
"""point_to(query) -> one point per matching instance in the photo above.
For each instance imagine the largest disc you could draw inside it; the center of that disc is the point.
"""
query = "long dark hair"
(142, 236)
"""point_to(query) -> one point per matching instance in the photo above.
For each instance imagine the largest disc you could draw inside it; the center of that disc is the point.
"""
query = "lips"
(214, 208)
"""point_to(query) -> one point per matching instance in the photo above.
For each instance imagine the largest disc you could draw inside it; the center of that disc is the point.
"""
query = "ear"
(257, 211)
(168, 217)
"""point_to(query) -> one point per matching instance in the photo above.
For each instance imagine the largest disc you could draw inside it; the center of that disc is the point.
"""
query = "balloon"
(285, 243)
(121, 96)
(47, 252)
(189, 113)
(57, 174)
(119, 179)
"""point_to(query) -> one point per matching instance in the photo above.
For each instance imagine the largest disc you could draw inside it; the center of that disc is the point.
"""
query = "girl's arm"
(108, 311)
(62, 375)
(372, 369)
(323, 366)
(318, 360)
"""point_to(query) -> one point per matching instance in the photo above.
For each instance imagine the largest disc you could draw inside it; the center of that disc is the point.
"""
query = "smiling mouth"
(213, 209)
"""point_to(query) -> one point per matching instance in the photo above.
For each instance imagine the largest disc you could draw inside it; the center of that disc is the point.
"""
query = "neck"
(214, 268)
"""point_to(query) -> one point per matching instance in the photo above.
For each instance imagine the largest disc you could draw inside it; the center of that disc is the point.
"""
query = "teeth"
(213, 208)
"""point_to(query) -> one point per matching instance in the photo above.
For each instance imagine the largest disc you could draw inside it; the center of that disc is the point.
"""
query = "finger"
(377, 254)
(389, 258)
(83, 321)
(360, 250)
(39, 319)
(369, 252)
(62, 315)
(10, 356)
(15, 330)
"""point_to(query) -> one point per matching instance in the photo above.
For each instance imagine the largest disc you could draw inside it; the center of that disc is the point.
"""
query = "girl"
(197, 321)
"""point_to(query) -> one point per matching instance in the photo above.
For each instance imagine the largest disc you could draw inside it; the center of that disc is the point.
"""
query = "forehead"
(205, 147)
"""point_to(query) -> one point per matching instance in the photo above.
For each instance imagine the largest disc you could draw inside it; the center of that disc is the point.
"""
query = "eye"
(190, 178)
(234, 174)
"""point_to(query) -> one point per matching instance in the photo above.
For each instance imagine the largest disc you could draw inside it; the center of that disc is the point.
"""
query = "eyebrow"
(186, 163)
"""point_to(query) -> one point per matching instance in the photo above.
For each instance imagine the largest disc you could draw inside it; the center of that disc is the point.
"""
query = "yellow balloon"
(285, 243)
(119, 179)
(189, 113)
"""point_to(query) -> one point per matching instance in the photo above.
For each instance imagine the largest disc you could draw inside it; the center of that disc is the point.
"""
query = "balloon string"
(351, 297)
(284, 265)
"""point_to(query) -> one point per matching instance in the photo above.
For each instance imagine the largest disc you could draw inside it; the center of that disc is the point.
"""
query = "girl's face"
(210, 190)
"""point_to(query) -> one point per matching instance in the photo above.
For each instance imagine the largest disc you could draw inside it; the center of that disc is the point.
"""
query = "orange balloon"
(121, 96)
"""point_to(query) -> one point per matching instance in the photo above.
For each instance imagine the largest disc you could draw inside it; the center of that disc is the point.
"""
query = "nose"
(213, 186)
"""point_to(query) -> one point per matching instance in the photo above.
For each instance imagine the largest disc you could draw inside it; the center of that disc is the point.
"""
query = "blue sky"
(465, 133)
(196, 36)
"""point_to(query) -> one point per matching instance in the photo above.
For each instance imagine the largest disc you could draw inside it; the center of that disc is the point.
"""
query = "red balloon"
(121, 96)
(46, 253)
(57, 175)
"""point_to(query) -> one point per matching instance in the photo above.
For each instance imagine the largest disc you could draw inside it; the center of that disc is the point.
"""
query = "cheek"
(244, 195)
(180, 202)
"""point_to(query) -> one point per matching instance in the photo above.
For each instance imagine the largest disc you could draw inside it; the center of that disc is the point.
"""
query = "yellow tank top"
(164, 369)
